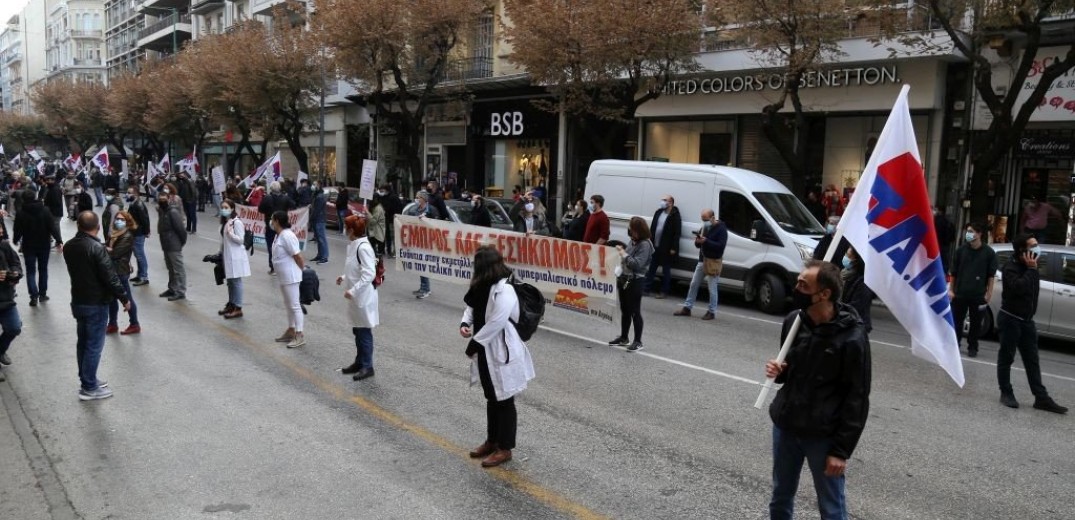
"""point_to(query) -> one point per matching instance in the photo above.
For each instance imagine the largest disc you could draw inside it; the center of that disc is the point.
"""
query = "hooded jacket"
(826, 392)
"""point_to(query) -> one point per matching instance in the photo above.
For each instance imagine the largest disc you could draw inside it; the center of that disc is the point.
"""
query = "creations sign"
(573, 276)
(844, 77)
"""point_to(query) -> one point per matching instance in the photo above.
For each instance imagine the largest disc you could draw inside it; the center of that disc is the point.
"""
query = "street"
(212, 419)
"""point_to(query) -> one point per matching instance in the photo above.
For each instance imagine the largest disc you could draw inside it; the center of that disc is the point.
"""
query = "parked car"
(332, 218)
(459, 212)
(510, 204)
(1056, 301)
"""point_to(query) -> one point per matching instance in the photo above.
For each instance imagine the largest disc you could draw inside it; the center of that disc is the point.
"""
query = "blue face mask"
(830, 228)
(590, 206)
(1036, 251)
(225, 213)
(847, 263)
(120, 225)
(969, 236)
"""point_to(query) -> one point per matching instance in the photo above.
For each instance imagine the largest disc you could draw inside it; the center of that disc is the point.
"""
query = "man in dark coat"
(665, 229)
(52, 196)
(35, 230)
(173, 236)
(189, 194)
(392, 207)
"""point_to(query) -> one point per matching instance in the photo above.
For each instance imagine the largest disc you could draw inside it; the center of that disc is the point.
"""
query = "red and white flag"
(73, 162)
(190, 164)
(100, 159)
(41, 167)
(33, 153)
(165, 165)
(270, 167)
(890, 224)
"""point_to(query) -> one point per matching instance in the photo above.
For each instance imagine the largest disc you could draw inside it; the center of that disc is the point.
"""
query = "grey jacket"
(639, 254)
(171, 229)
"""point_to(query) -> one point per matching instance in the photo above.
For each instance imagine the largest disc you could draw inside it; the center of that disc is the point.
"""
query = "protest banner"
(573, 276)
(219, 185)
(255, 222)
(369, 176)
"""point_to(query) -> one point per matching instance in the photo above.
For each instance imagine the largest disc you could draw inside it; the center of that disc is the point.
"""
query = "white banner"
(219, 185)
(255, 222)
(369, 176)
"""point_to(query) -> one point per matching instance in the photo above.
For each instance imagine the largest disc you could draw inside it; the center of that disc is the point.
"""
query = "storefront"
(514, 144)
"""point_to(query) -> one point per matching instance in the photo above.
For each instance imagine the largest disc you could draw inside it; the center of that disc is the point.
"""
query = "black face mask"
(801, 300)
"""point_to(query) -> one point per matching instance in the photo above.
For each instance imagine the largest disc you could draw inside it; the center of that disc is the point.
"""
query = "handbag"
(623, 282)
(712, 266)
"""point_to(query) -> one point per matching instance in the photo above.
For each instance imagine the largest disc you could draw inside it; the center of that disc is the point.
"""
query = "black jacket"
(576, 228)
(673, 226)
(1021, 286)
(716, 240)
(857, 294)
(273, 202)
(437, 201)
(187, 191)
(826, 392)
(823, 246)
(85, 202)
(480, 216)
(9, 261)
(93, 278)
(53, 199)
(140, 215)
(392, 207)
(35, 227)
(171, 229)
(304, 197)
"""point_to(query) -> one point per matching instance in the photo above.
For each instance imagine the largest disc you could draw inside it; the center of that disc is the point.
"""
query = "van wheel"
(770, 294)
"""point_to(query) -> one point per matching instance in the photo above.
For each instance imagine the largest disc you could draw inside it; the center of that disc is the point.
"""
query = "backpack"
(531, 308)
(378, 272)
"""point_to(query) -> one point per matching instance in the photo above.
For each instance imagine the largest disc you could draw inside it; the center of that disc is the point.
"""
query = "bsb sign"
(508, 124)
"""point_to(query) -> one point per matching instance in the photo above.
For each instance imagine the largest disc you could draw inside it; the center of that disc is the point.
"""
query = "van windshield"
(789, 213)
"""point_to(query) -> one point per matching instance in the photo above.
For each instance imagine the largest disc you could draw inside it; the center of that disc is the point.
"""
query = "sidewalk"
(20, 492)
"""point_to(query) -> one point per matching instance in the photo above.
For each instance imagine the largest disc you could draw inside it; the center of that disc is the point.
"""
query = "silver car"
(1056, 301)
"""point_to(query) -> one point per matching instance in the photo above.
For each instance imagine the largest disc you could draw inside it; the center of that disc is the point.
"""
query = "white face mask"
(662, 204)
(529, 207)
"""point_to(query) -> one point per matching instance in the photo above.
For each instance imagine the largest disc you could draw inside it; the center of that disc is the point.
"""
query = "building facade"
(123, 23)
(75, 43)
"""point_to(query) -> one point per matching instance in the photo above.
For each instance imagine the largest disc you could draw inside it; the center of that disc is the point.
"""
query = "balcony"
(158, 36)
(205, 6)
(158, 6)
(468, 69)
(94, 34)
(14, 57)
(264, 7)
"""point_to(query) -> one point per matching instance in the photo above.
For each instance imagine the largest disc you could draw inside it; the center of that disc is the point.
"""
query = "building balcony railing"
(205, 6)
(13, 58)
(181, 23)
(469, 69)
(82, 33)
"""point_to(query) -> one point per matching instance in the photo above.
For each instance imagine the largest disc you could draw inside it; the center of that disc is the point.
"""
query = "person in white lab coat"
(361, 295)
(233, 255)
(500, 359)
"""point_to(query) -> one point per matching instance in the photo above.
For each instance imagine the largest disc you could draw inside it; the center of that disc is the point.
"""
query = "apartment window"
(483, 38)
(240, 12)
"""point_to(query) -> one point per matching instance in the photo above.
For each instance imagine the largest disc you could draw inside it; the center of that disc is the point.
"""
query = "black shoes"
(635, 347)
(972, 353)
(354, 368)
(139, 281)
(1047, 404)
(44, 298)
(364, 373)
(167, 294)
(175, 297)
(33, 301)
(1009, 401)
(619, 342)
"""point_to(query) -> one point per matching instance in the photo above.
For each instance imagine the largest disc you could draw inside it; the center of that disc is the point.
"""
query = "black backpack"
(531, 308)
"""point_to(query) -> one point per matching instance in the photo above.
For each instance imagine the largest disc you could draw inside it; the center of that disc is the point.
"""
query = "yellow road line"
(537, 491)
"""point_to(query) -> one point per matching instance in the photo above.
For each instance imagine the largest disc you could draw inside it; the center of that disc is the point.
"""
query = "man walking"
(665, 229)
(973, 272)
(597, 228)
(173, 237)
(11, 325)
(52, 196)
(140, 214)
(820, 412)
(1015, 324)
(94, 285)
(710, 241)
(35, 229)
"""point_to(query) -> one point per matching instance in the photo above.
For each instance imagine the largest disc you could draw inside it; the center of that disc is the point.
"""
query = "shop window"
(737, 212)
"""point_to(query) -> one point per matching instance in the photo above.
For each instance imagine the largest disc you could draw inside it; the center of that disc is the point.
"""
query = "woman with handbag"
(636, 258)
(499, 357)
(359, 272)
(233, 256)
(120, 249)
(288, 262)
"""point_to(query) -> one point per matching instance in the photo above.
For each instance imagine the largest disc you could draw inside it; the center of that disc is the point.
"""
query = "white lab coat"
(358, 278)
(510, 365)
(233, 251)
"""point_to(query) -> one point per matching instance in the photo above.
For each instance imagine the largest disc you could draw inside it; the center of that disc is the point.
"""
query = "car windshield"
(789, 213)
(463, 211)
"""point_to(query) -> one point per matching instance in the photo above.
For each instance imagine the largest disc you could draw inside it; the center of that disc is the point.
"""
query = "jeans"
(191, 209)
(37, 270)
(294, 308)
(423, 283)
(1023, 335)
(113, 308)
(177, 272)
(342, 214)
(99, 193)
(270, 237)
(322, 240)
(364, 344)
(631, 309)
(12, 325)
(789, 450)
(960, 308)
(92, 320)
(696, 282)
(235, 292)
(140, 257)
(665, 263)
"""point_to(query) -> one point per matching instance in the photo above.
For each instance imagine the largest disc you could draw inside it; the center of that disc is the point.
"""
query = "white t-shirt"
(658, 229)
(284, 248)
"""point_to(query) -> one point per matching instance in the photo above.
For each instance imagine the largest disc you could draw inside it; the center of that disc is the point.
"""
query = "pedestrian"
(973, 272)
(711, 241)
(98, 186)
(423, 210)
(500, 359)
(1015, 324)
(256, 195)
(188, 192)
(576, 228)
(317, 223)
(83, 201)
(10, 274)
(814, 205)
(855, 292)
(826, 241)
(35, 230)
(479, 214)
(636, 259)
(1036, 217)
(362, 301)
(113, 205)
(94, 285)
(342, 201)
(275, 201)
(529, 222)
(304, 196)
(375, 225)
(201, 186)
(140, 214)
(69, 184)
(821, 409)
(120, 247)
(52, 197)
(436, 199)
(392, 207)
(597, 227)
(288, 263)
(173, 237)
(665, 228)
(946, 235)
(833, 202)
(234, 257)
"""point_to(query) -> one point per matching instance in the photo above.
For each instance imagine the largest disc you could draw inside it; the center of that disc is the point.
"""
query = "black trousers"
(960, 308)
(631, 308)
(502, 421)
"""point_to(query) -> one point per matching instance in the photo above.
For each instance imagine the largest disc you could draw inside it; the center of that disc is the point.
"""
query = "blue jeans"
(140, 257)
(235, 291)
(99, 193)
(342, 214)
(37, 270)
(665, 263)
(789, 451)
(113, 308)
(364, 343)
(322, 240)
(423, 283)
(92, 320)
(12, 325)
(191, 208)
(696, 282)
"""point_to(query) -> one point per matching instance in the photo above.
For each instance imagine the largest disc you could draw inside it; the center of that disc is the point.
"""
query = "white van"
(770, 233)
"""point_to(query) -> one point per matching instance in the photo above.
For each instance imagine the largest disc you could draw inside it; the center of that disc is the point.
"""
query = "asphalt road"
(212, 419)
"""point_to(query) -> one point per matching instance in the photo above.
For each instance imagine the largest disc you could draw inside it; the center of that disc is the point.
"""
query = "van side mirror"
(761, 232)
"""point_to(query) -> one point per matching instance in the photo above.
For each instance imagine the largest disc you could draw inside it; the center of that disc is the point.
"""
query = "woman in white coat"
(500, 359)
(288, 262)
(233, 255)
(361, 295)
